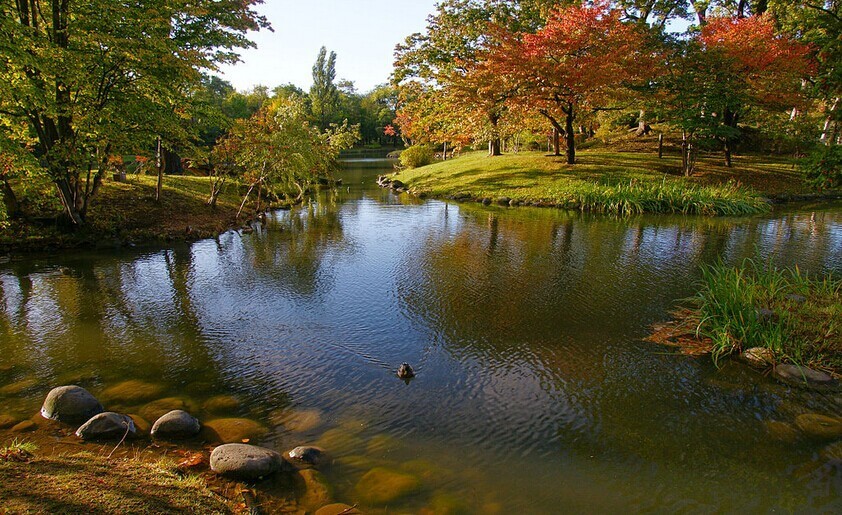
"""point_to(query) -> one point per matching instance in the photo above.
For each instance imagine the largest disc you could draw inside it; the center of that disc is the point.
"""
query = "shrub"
(823, 167)
(416, 156)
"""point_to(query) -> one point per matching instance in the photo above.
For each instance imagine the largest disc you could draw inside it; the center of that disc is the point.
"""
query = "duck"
(405, 371)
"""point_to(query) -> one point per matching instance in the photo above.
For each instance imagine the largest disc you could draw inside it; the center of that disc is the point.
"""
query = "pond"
(534, 390)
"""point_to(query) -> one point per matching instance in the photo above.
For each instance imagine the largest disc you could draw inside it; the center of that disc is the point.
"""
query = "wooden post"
(660, 145)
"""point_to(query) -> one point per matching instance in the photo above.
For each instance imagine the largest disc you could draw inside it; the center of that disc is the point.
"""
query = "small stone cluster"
(74, 405)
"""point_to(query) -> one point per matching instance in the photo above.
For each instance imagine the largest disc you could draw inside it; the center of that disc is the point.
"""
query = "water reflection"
(524, 326)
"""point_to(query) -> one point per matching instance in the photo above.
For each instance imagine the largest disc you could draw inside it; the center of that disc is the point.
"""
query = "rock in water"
(307, 455)
(317, 491)
(820, 426)
(759, 357)
(381, 486)
(176, 424)
(243, 461)
(71, 404)
(804, 377)
(107, 426)
(337, 509)
(229, 430)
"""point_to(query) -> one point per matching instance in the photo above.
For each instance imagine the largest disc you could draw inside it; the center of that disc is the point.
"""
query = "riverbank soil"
(124, 212)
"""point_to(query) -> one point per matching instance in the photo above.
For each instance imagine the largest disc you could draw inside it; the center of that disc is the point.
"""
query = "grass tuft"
(796, 316)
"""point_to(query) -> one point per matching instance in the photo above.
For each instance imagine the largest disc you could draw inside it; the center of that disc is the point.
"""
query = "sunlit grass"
(611, 182)
(796, 316)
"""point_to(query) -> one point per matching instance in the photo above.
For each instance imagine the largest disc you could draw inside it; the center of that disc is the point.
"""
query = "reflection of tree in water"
(293, 250)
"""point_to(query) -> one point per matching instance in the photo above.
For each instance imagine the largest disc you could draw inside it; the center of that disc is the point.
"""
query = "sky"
(363, 33)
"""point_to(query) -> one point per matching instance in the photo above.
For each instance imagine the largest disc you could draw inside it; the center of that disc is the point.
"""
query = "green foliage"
(416, 156)
(795, 316)
(324, 95)
(823, 167)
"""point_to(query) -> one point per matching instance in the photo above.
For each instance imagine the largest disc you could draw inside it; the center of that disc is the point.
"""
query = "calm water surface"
(535, 392)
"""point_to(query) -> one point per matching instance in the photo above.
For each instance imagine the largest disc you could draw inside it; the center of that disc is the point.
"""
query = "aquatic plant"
(796, 316)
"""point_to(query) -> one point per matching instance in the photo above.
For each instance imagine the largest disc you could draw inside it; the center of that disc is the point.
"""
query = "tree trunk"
(660, 146)
(685, 168)
(728, 161)
(829, 130)
(494, 142)
(571, 138)
(556, 141)
(9, 199)
(444, 152)
(729, 118)
(642, 127)
(159, 164)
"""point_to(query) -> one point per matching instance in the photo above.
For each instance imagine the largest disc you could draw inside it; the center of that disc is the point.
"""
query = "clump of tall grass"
(796, 316)
(630, 198)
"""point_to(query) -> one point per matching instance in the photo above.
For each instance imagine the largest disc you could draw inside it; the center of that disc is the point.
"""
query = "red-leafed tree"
(755, 67)
(581, 60)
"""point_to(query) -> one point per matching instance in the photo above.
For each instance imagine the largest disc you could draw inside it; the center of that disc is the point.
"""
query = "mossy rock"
(158, 408)
(142, 426)
(19, 387)
(7, 421)
(297, 420)
(133, 391)
(338, 441)
(381, 485)
(359, 462)
(233, 430)
(221, 405)
(338, 509)
(316, 491)
(820, 426)
(450, 504)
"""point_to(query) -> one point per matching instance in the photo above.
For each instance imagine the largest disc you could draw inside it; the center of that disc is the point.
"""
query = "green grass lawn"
(609, 181)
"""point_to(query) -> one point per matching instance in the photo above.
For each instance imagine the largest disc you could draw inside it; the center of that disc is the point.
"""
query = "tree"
(580, 61)
(324, 95)
(278, 151)
(89, 78)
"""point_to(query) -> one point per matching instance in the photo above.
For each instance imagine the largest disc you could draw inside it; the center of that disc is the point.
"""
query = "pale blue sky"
(363, 33)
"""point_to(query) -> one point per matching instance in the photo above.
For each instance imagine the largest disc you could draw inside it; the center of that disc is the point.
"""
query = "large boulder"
(71, 404)
(107, 426)
(243, 461)
(176, 424)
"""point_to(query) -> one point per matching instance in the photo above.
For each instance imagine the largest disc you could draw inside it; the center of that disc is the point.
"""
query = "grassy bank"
(124, 212)
(89, 483)
(796, 317)
(605, 180)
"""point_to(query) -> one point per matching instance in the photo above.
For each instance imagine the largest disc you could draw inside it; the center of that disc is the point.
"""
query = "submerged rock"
(803, 377)
(317, 491)
(297, 420)
(19, 387)
(820, 426)
(71, 404)
(338, 509)
(243, 461)
(25, 426)
(132, 392)
(759, 357)
(781, 431)
(381, 485)
(176, 424)
(107, 426)
(307, 456)
(7, 421)
(156, 409)
(141, 425)
(227, 430)
(221, 405)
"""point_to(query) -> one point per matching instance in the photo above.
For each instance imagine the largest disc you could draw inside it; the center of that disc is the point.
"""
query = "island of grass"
(780, 316)
(609, 180)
